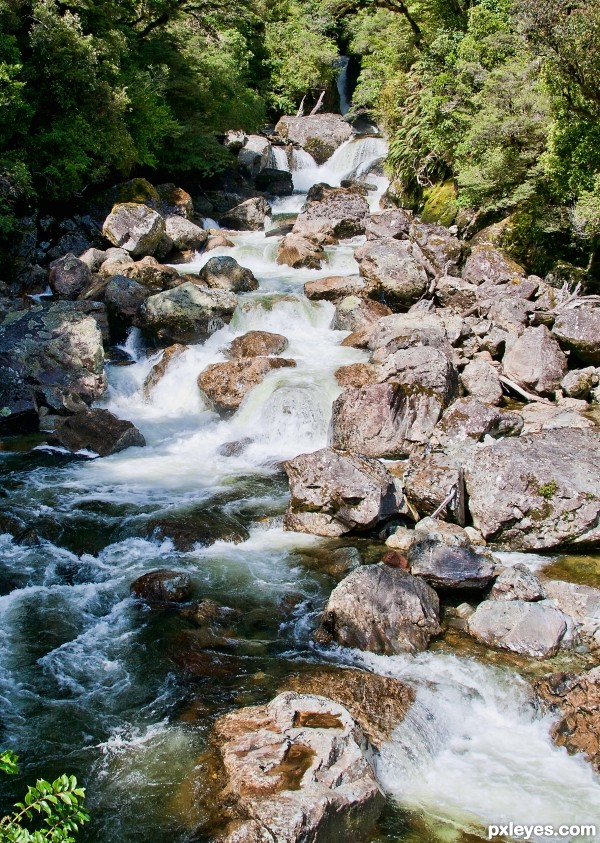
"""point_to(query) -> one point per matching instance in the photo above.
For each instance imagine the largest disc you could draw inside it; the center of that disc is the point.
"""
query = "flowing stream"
(92, 683)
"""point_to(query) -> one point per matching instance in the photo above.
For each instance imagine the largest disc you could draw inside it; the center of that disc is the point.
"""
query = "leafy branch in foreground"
(50, 813)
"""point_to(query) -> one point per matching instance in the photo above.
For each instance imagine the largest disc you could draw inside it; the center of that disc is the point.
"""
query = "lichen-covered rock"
(578, 383)
(456, 293)
(333, 493)
(344, 211)
(297, 770)
(155, 276)
(575, 702)
(225, 385)
(442, 249)
(186, 314)
(470, 420)
(535, 361)
(185, 234)
(225, 273)
(136, 228)
(578, 330)
(529, 492)
(256, 344)
(421, 366)
(352, 313)
(174, 201)
(247, 216)
(50, 356)
(123, 298)
(581, 603)
(318, 134)
(532, 629)
(382, 609)
(69, 276)
(393, 272)
(98, 431)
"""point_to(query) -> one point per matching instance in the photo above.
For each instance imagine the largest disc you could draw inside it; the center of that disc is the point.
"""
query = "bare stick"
(300, 111)
(528, 396)
(448, 499)
(319, 103)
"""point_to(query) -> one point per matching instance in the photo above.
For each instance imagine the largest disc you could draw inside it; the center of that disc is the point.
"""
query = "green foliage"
(51, 812)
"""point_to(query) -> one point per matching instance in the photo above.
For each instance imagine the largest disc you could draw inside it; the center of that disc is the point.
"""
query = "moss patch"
(440, 203)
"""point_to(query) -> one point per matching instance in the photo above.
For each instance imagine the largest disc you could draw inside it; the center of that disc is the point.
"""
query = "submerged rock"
(532, 629)
(225, 385)
(297, 770)
(333, 492)
(97, 430)
(382, 609)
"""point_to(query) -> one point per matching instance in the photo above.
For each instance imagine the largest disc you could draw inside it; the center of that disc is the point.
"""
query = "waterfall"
(352, 159)
(342, 84)
(281, 158)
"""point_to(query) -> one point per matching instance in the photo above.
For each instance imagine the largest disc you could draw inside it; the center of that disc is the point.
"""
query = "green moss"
(440, 203)
(548, 490)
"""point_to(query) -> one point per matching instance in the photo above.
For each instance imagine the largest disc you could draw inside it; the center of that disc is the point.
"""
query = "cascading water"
(92, 683)
(281, 158)
(342, 85)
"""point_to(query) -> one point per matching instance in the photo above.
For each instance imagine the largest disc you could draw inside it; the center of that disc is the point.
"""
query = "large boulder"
(535, 361)
(393, 222)
(456, 293)
(298, 251)
(468, 420)
(423, 367)
(343, 212)
(225, 385)
(123, 298)
(574, 700)
(98, 431)
(50, 356)
(186, 314)
(333, 493)
(318, 134)
(448, 564)
(69, 276)
(382, 609)
(393, 272)
(487, 263)
(517, 583)
(578, 330)
(225, 273)
(174, 201)
(532, 629)
(162, 586)
(247, 216)
(155, 276)
(274, 182)
(353, 313)
(256, 155)
(443, 250)
(185, 234)
(256, 344)
(481, 381)
(384, 419)
(296, 770)
(581, 603)
(335, 288)
(537, 490)
(135, 228)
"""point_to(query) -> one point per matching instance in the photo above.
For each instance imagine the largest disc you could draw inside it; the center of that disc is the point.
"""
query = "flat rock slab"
(297, 770)
(532, 629)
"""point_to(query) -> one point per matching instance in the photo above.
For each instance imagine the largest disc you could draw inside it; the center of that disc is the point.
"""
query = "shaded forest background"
(492, 108)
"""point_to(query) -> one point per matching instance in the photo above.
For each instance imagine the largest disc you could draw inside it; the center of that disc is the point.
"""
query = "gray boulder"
(186, 314)
(579, 382)
(578, 330)
(343, 212)
(443, 250)
(423, 367)
(248, 216)
(98, 431)
(352, 313)
(136, 228)
(481, 381)
(381, 609)
(517, 583)
(318, 134)
(530, 492)
(69, 276)
(185, 234)
(448, 564)
(487, 263)
(456, 293)
(392, 223)
(535, 361)
(333, 493)
(392, 270)
(532, 629)
(579, 602)
(123, 298)
(225, 273)
(256, 155)
(468, 420)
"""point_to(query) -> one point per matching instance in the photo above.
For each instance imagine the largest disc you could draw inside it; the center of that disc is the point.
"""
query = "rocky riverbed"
(287, 501)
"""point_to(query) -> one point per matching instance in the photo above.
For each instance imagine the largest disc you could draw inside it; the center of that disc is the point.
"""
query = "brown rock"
(297, 251)
(225, 385)
(157, 372)
(352, 313)
(395, 560)
(162, 587)
(335, 287)
(256, 344)
(98, 431)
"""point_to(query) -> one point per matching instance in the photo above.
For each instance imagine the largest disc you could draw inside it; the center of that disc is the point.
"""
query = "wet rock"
(392, 223)
(575, 702)
(318, 134)
(225, 385)
(487, 263)
(225, 273)
(578, 330)
(255, 155)
(393, 272)
(381, 609)
(535, 361)
(456, 293)
(97, 430)
(256, 344)
(384, 420)
(532, 629)
(334, 288)
(275, 182)
(297, 251)
(352, 313)
(153, 275)
(50, 356)
(135, 228)
(517, 583)
(529, 493)
(157, 372)
(162, 587)
(185, 234)
(333, 493)
(297, 769)
(377, 703)
(442, 554)
(481, 381)
(247, 216)
(174, 201)
(580, 382)
(69, 276)
(200, 527)
(344, 211)
(234, 449)
(123, 298)
(218, 241)
(186, 314)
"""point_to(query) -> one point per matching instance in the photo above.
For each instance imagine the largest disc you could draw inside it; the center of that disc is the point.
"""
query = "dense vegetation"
(497, 99)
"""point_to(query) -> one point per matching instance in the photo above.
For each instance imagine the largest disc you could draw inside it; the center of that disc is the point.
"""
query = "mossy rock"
(139, 191)
(440, 203)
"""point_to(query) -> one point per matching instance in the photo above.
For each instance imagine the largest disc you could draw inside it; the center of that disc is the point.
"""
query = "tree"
(51, 812)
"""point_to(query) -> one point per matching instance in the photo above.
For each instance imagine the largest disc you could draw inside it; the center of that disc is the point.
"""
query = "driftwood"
(319, 103)
(520, 391)
(300, 111)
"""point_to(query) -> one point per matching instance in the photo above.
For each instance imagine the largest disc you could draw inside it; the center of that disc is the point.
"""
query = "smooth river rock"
(186, 314)
(318, 134)
(532, 629)
(225, 273)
